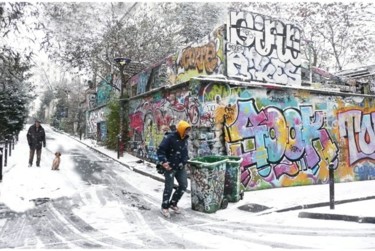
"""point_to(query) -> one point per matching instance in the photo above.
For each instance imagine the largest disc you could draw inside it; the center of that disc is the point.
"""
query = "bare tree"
(92, 34)
(338, 33)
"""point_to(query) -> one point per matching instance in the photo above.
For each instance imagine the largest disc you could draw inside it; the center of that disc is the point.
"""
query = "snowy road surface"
(94, 202)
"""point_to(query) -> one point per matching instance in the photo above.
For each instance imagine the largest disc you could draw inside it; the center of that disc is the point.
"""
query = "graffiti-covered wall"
(104, 90)
(90, 100)
(203, 58)
(285, 137)
(158, 75)
(96, 123)
(289, 138)
(263, 49)
(152, 115)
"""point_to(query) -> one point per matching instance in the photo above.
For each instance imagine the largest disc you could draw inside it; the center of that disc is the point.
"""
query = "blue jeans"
(181, 177)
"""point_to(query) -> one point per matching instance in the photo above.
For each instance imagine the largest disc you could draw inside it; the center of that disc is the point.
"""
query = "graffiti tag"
(270, 49)
(358, 129)
(200, 58)
(283, 140)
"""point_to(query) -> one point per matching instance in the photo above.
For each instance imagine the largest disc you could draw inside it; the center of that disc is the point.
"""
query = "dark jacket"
(174, 149)
(35, 137)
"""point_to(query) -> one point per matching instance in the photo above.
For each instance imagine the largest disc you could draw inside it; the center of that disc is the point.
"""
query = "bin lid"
(208, 161)
(234, 159)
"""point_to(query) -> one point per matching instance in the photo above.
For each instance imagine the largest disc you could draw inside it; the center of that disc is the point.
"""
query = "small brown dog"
(56, 161)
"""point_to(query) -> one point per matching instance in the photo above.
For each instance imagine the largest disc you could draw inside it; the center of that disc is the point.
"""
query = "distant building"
(362, 77)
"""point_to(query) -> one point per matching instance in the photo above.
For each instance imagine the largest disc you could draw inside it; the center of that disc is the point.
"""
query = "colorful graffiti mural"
(356, 129)
(263, 49)
(153, 114)
(280, 142)
(203, 58)
(94, 118)
(285, 137)
(103, 91)
(161, 74)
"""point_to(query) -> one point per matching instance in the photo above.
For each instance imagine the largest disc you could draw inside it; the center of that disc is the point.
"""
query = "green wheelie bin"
(232, 185)
(207, 183)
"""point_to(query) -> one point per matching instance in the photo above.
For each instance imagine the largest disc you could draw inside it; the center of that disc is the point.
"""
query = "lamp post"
(124, 106)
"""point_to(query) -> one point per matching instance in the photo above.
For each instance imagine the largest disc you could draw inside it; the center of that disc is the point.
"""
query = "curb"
(342, 217)
(323, 204)
(150, 175)
(127, 166)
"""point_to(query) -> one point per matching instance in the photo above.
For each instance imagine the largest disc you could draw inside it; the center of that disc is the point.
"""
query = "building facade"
(241, 88)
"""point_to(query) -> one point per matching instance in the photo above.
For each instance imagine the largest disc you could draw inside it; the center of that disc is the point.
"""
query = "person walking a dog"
(36, 137)
(173, 156)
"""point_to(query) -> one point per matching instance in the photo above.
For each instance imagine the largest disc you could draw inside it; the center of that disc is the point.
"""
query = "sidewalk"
(354, 201)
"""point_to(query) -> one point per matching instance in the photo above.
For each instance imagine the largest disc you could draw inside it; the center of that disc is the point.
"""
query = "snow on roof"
(360, 72)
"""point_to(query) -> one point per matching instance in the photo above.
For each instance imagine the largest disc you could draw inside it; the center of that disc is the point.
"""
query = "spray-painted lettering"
(358, 129)
(280, 139)
(200, 58)
(270, 49)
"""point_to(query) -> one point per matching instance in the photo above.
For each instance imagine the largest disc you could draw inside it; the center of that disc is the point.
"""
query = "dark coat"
(36, 138)
(174, 150)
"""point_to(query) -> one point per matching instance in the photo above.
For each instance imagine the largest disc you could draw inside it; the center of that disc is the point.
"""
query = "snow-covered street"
(95, 202)
(268, 106)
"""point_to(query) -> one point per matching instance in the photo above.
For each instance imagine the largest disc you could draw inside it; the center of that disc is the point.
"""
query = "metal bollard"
(1, 163)
(118, 145)
(6, 153)
(331, 186)
(10, 146)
